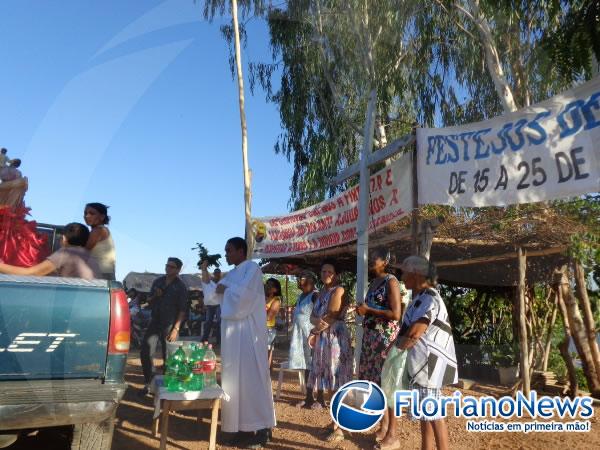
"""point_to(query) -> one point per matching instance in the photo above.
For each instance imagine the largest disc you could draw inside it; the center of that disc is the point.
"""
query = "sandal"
(335, 436)
(301, 404)
(316, 405)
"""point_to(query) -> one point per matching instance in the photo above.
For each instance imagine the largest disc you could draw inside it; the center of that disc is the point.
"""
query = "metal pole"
(362, 226)
(414, 248)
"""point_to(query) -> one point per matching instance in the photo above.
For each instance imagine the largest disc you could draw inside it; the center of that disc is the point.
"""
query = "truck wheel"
(93, 436)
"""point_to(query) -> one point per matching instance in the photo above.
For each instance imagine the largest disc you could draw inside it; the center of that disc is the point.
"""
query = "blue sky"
(132, 104)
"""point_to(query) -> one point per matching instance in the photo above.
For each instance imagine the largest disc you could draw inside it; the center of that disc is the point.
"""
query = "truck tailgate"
(53, 328)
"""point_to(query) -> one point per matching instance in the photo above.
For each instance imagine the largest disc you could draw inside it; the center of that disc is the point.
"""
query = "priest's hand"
(220, 288)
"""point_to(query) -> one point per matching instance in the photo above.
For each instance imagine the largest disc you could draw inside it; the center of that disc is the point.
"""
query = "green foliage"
(504, 355)
(577, 37)
(330, 54)
(482, 325)
(585, 245)
(213, 260)
(556, 364)
(581, 379)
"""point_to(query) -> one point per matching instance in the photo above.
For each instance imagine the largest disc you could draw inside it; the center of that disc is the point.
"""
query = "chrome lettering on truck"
(24, 342)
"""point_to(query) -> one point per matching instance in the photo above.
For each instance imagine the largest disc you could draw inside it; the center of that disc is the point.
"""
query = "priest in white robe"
(244, 361)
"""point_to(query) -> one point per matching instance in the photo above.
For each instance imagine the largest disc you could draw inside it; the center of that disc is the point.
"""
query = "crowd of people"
(320, 342)
(241, 311)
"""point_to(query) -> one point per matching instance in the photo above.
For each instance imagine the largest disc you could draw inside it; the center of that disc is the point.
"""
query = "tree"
(331, 55)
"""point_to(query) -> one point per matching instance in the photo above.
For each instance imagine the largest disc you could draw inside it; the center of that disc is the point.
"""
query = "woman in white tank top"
(100, 243)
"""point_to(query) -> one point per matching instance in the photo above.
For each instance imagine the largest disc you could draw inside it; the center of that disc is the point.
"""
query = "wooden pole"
(548, 344)
(579, 335)
(524, 351)
(501, 257)
(240, 78)
(588, 316)
(362, 226)
(564, 345)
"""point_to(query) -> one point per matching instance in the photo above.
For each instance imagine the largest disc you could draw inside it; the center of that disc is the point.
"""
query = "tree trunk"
(588, 316)
(564, 345)
(578, 334)
(524, 355)
(491, 57)
(381, 136)
(240, 77)
(549, 337)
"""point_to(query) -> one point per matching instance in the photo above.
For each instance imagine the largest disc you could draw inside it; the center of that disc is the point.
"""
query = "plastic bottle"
(172, 377)
(184, 375)
(197, 366)
(210, 367)
(179, 355)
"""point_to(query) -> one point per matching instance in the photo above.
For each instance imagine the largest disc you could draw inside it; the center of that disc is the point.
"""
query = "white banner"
(547, 151)
(333, 221)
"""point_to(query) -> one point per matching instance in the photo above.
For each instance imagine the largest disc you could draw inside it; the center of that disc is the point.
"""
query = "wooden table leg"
(164, 424)
(155, 423)
(156, 420)
(212, 443)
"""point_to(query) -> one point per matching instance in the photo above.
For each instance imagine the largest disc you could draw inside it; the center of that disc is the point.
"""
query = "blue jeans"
(213, 320)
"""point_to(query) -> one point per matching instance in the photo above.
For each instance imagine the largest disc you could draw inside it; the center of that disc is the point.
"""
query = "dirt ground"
(302, 428)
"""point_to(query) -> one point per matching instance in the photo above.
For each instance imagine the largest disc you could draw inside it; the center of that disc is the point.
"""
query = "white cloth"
(211, 298)
(244, 362)
(161, 393)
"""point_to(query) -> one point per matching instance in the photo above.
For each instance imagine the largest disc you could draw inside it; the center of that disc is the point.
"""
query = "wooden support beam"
(524, 351)
(564, 345)
(374, 158)
(588, 316)
(502, 257)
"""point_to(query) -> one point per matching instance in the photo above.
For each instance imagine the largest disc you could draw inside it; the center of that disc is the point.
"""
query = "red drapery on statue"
(20, 243)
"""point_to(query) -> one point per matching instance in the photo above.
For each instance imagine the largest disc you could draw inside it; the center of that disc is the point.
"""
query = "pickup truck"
(63, 350)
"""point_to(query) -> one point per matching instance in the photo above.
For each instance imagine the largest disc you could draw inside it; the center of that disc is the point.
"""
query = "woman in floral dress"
(382, 310)
(332, 351)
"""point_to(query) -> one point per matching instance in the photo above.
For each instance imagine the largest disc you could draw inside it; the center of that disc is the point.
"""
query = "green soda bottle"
(170, 371)
(185, 376)
(172, 380)
(196, 364)
(179, 355)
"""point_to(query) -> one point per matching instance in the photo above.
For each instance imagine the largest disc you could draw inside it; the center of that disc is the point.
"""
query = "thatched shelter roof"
(470, 247)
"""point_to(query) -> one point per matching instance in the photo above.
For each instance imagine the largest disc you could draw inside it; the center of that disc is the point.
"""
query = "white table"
(209, 398)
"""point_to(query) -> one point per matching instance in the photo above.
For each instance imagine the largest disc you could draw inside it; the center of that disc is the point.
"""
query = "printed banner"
(333, 221)
(546, 151)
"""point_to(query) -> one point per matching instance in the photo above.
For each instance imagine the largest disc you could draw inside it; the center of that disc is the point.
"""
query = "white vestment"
(244, 361)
